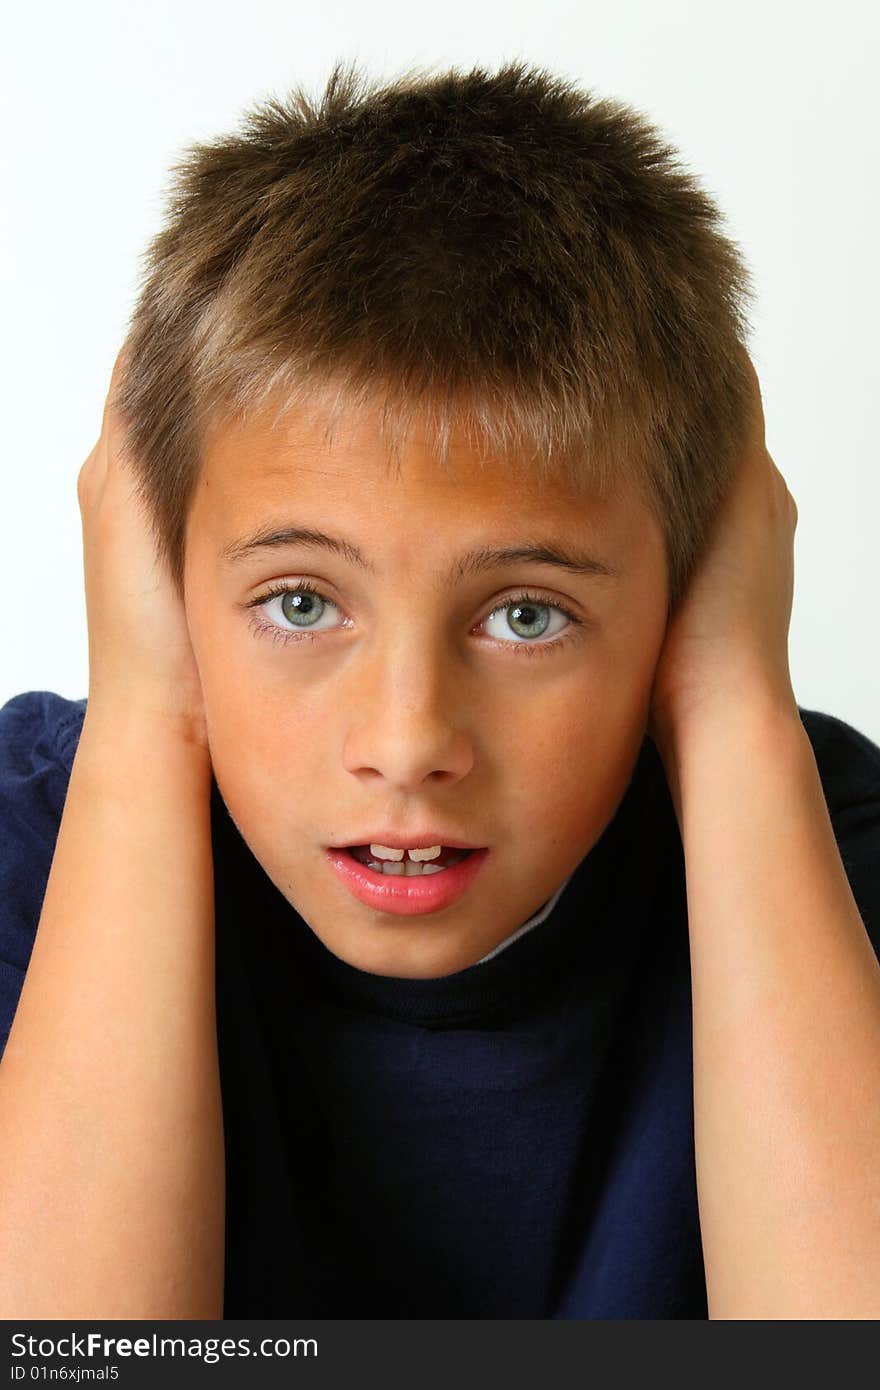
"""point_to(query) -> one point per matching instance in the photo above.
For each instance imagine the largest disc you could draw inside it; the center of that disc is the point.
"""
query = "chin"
(408, 950)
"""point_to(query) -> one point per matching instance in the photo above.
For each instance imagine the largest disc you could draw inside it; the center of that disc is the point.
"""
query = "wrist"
(126, 724)
(750, 723)
(761, 700)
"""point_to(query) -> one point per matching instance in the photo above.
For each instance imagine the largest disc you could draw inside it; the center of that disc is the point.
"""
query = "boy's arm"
(111, 1134)
(785, 980)
(786, 1000)
(112, 1197)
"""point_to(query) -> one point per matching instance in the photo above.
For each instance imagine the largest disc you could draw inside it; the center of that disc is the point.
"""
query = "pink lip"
(407, 897)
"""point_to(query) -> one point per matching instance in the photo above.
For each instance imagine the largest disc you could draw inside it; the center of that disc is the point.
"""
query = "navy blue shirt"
(514, 1140)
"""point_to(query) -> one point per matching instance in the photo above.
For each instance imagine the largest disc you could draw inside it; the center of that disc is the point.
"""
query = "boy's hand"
(728, 642)
(140, 658)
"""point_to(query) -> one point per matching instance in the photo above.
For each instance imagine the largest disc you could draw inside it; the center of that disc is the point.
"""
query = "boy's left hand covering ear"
(729, 637)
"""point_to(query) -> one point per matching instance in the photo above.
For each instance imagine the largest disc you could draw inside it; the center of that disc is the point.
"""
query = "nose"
(406, 725)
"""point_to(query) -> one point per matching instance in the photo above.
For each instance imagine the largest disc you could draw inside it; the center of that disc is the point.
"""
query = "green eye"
(302, 607)
(528, 617)
(535, 617)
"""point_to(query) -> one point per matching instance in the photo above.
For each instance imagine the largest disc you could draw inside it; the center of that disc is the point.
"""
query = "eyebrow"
(473, 562)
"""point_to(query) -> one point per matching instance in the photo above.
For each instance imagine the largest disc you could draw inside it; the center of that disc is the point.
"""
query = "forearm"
(111, 1134)
(786, 999)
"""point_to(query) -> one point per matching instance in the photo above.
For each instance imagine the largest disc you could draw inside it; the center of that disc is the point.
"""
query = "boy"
(454, 729)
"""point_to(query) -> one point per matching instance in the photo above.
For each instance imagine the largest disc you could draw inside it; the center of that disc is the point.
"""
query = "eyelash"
(278, 634)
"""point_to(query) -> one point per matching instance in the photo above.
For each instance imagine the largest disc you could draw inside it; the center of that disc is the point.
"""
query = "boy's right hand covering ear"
(140, 657)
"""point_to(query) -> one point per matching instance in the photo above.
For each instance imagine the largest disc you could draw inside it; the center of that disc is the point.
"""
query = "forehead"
(315, 466)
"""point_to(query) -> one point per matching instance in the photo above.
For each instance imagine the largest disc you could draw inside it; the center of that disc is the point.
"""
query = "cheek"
(266, 773)
(239, 705)
(270, 748)
(577, 771)
(259, 737)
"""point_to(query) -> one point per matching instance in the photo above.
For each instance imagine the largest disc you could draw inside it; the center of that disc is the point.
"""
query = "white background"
(771, 105)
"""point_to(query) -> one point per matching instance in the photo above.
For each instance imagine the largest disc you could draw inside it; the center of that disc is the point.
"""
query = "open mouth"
(407, 887)
(406, 867)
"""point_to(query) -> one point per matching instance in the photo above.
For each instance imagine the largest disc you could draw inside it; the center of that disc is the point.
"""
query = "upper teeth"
(418, 855)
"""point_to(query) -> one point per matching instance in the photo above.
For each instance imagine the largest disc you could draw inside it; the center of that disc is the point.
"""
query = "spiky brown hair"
(500, 251)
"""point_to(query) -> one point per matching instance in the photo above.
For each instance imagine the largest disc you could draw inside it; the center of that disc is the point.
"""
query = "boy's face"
(415, 704)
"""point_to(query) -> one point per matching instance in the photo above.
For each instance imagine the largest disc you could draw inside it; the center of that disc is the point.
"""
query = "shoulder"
(849, 768)
(39, 724)
(848, 761)
(39, 731)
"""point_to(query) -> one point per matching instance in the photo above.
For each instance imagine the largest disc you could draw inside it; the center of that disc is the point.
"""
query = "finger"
(756, 403)
(119, 366)
(117, 376)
